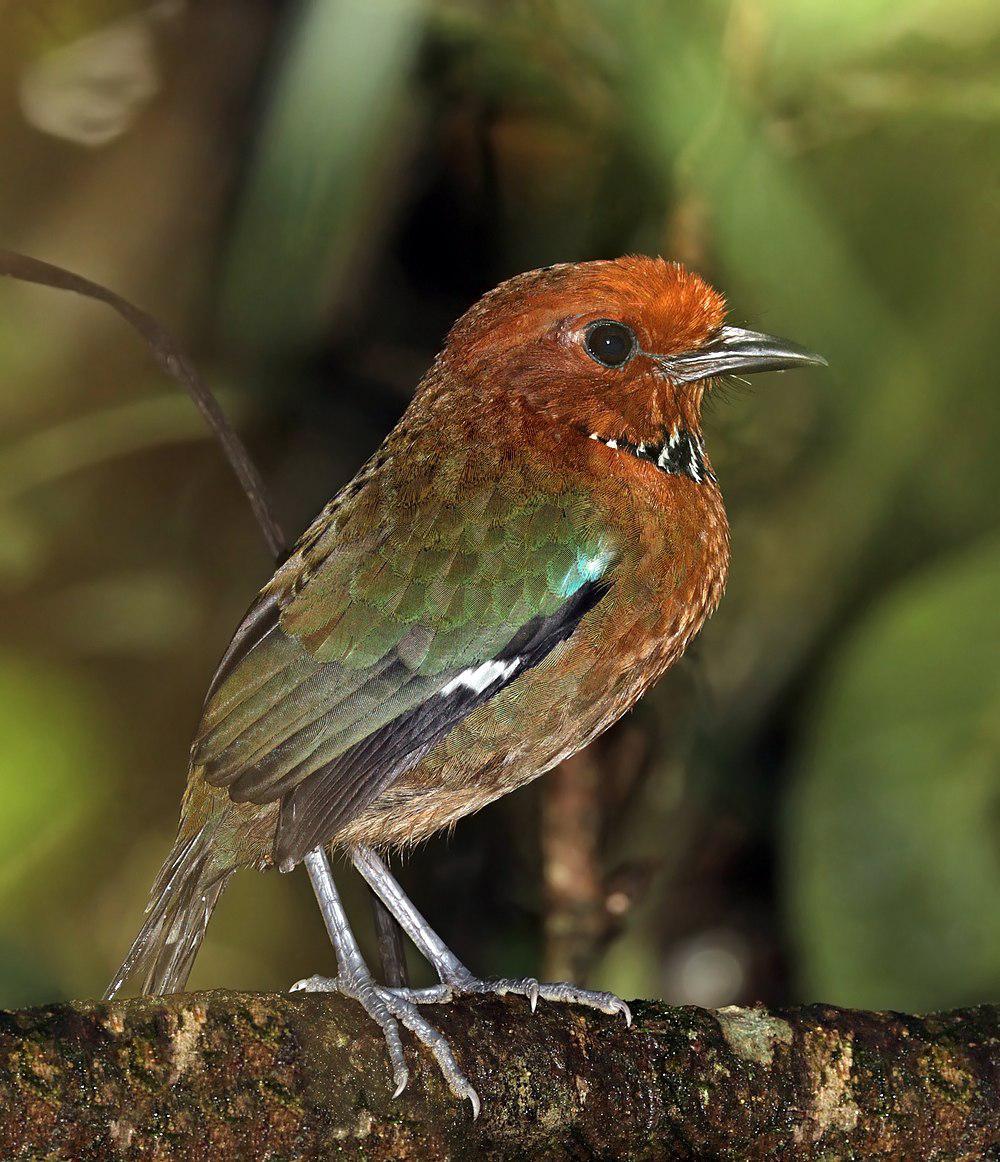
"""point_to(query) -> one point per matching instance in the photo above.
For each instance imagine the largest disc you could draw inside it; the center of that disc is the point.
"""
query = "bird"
(531, 547)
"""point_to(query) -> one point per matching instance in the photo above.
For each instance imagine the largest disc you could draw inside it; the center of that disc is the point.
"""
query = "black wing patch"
(318, 807)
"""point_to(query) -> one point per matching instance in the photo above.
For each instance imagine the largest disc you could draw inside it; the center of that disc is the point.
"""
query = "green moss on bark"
(219, 1075)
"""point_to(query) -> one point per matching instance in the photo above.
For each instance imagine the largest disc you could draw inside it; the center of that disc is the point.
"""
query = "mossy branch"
(230, 1075)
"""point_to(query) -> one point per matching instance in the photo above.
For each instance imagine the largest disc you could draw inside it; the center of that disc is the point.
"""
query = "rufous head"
(623, 348)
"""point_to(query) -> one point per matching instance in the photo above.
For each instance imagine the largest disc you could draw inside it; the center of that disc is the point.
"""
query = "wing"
(408, 604)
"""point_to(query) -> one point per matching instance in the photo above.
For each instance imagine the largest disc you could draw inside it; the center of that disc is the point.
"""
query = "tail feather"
(180, 905)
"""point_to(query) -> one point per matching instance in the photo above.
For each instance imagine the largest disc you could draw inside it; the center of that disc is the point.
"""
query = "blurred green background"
(307, 194)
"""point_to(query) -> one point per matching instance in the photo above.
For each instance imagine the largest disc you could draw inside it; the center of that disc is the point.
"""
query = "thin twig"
(173, 361)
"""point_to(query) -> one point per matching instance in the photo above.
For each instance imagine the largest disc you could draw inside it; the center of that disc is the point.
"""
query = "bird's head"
(621, 349)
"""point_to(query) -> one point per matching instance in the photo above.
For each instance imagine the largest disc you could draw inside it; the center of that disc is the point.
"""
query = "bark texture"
(227, 1075)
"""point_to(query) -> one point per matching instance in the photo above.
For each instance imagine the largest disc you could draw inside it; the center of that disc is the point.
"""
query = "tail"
(180, 905)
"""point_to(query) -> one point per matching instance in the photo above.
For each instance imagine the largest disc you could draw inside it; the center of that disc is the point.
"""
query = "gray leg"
(388, 1007)
(450, 970)
(454, 976)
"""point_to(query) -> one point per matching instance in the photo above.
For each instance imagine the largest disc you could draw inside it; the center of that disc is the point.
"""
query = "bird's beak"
(735, 349)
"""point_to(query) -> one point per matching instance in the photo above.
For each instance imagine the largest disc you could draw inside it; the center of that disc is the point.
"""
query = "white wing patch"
(477, 678)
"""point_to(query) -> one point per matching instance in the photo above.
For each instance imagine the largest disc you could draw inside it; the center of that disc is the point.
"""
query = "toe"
(570, 994)
(316, 984)
(436, 1041)
(400, 1077)
(394, 1044)
(438, 994)
(528, 987)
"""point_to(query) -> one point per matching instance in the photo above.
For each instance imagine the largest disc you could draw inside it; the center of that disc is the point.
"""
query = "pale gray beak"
(734, 349)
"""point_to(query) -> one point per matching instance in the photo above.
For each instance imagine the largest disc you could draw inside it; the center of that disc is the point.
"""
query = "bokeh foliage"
(308, 193)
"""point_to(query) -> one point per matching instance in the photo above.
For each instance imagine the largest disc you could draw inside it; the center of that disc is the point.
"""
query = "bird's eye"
(609, 343)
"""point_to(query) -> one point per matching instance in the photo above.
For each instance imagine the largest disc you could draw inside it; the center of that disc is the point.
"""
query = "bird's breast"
(668, 541)
(673, 545)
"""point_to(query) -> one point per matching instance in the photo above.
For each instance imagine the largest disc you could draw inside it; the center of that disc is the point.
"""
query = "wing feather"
(318, 806)
(367, 647)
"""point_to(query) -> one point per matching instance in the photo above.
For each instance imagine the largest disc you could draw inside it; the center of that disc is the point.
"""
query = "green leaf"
(319, 183)
(892, 838)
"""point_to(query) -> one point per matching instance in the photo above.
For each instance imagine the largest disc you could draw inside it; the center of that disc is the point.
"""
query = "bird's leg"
(454, 976)
(388, 1007)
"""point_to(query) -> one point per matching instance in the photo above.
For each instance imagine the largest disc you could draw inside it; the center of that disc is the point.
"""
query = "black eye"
(611, 344)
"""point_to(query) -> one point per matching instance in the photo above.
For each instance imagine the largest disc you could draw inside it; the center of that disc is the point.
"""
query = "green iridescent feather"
(398, 587)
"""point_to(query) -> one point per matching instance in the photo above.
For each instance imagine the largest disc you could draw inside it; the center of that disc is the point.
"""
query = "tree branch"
(226, 1075)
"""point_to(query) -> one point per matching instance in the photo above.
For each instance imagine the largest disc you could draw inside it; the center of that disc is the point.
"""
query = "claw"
(532, 992)
(557, 992)
(390, 1008)
(315, 984)
(400, 1003)
(387, 1005)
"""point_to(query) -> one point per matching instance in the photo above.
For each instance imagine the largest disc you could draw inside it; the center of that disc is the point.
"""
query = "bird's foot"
(528, 987)
(390, 1008)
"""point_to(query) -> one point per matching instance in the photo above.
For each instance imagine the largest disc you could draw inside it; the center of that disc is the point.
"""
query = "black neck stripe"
(678, 453)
